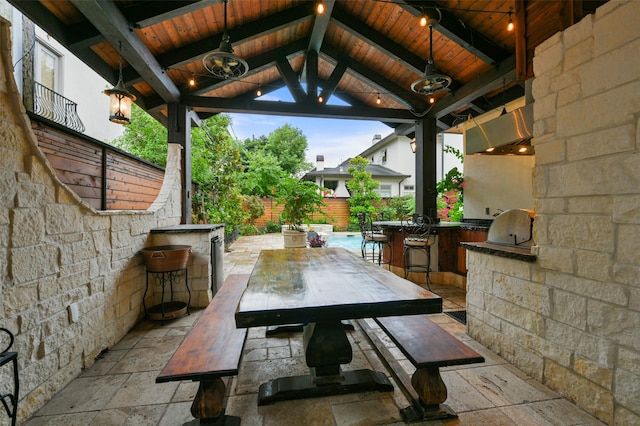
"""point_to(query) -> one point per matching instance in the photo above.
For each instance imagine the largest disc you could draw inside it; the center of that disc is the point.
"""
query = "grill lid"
(512, 227)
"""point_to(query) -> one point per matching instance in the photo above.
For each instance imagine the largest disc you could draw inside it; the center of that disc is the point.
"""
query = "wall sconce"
(120, 99)
(413, 144)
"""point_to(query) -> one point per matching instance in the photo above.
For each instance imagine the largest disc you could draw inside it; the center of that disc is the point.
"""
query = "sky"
(337, 140)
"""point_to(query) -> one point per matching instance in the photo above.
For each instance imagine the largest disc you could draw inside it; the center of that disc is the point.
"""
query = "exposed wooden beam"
(291, 80)
(305, 109)
(141, 15)
(244, 34)
(399, 93)
(311, 75)
(491, 80)
(329, 86)
(257, 64)
(318, 30)
(320, 24)
(106, 17)
(457, 31)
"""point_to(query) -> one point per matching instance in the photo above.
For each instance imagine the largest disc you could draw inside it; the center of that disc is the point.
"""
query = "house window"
(384, 190)
(47, 67)
(384, 156)
(409, 189)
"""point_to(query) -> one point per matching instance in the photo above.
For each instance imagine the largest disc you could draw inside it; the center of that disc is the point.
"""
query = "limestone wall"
(55, 251)
(572, 320)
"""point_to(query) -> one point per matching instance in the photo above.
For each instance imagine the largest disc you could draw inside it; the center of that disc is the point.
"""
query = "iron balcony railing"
(55, 107)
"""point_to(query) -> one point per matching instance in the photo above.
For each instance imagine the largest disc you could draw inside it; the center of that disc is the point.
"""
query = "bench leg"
(209, 403)
(432, 391)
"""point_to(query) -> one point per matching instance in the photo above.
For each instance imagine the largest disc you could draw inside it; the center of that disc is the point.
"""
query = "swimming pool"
(349, 241)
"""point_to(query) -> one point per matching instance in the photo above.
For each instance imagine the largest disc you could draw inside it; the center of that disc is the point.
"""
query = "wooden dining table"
(319, 288)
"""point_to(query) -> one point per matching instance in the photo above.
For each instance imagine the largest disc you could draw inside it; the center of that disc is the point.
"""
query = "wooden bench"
(210, 351)
(428, 347)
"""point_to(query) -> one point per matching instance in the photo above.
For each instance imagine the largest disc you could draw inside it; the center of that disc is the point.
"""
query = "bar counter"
(448, 243)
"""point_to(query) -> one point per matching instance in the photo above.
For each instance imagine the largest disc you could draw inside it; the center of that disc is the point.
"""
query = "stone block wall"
(56, 251)
(572, 319)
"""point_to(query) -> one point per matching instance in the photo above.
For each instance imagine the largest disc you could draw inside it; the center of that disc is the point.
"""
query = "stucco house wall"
(55, 250)
(572, 319)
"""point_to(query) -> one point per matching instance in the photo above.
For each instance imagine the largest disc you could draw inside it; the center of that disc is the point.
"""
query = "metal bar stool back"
(417, 237)
(374, 239)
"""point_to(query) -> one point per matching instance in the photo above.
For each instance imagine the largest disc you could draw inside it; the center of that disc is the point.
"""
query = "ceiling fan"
(222, 63)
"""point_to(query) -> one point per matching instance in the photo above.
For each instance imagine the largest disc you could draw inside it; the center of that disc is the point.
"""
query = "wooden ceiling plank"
(141, 15)
(194, 51)
(106, 17)
(350, 24)
(454, 29)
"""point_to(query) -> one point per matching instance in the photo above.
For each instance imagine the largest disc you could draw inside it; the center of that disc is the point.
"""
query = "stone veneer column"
(56, 251)
(572, 320)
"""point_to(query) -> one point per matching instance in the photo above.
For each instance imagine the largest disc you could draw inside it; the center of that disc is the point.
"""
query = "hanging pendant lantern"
(120, 100)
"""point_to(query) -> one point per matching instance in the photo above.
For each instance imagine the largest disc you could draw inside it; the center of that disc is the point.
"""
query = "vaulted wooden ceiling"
(358, 51)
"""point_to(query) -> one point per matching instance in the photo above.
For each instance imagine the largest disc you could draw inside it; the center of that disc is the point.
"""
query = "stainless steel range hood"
(508, 134)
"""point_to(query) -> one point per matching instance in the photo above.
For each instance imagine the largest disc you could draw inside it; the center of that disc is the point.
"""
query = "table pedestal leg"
(326, 348)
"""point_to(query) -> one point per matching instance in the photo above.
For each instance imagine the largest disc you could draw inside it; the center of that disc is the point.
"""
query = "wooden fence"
(110, 179)
(102, 175)
(336, 211)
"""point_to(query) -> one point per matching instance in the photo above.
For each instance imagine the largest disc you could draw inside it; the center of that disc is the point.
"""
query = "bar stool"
(373, 238)
(417, 238)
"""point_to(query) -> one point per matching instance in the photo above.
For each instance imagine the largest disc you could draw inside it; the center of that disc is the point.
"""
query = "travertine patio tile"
(375, 411)
(176, 414)
(77, 419)
(149, 415)
(462, 395)
(141, 389)
(76, 397)
(144, 359)
(501, 386)
(553, 412)
(186, 391)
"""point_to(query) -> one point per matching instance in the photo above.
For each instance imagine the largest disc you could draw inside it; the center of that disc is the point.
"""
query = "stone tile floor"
(120, 388)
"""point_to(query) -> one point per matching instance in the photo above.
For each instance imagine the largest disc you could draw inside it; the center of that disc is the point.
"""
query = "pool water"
(351, 242)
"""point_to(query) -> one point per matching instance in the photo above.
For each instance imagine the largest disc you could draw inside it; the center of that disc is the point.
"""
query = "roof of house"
(377, 171)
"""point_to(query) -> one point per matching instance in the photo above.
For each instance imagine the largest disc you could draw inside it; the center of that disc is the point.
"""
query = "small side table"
(167, 309)
(10, 400)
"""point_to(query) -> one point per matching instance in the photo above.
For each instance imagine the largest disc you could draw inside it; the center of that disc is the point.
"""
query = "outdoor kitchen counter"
(448, 242)
(512, 252)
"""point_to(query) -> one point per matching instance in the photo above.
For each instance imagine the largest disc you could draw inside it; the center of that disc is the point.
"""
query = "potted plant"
(301, 200)
(316, 240)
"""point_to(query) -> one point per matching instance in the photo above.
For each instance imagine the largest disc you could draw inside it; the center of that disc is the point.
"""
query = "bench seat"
(211, 350)
(428, 347)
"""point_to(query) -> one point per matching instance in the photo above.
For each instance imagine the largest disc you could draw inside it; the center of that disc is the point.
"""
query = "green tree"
(215, 164)
(287, 144)
(362, 189)
(262, 174)
(145, 137)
